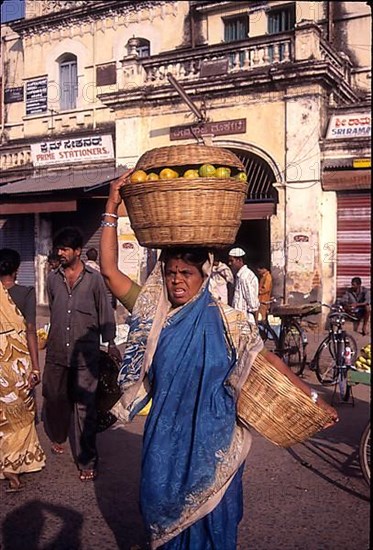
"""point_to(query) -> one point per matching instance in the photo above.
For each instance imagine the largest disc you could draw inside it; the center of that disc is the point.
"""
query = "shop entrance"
(254, 237)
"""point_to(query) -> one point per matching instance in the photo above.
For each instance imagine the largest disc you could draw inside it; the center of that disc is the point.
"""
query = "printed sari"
(192, 362)
(20, 450)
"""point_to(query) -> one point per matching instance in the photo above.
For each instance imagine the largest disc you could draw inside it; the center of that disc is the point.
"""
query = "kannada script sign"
(225, 127)
(64, 151)
(349, 126)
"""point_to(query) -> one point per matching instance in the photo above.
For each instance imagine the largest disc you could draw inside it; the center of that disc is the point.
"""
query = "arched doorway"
(261, 202)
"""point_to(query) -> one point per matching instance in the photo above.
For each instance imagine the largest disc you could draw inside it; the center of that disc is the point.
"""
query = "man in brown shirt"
(80, 312)
(265, 291)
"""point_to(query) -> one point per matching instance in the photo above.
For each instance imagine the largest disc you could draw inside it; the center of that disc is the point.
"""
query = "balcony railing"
(305, 43)
(239, 56)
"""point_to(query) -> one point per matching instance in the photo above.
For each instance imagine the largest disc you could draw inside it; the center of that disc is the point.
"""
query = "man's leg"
(366, 317)
(57, 406)
(85, 416)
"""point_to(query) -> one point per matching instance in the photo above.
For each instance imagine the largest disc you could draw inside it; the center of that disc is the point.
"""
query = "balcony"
(304, 44)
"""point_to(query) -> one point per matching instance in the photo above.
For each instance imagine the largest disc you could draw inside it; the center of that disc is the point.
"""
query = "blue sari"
(190, 425)
(194, 448)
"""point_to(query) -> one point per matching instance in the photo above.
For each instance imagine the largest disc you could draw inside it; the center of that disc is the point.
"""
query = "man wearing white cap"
(246, 289)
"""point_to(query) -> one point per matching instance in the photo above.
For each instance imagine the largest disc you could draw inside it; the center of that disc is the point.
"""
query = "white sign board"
(349, 126)
(63, 151)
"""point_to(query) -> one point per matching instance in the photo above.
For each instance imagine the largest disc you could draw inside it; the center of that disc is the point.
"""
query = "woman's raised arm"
(117, 282)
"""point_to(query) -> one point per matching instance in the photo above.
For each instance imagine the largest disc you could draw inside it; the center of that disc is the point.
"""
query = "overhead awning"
(258, 210)
(49, 192)
(63, 180)
(346, 180)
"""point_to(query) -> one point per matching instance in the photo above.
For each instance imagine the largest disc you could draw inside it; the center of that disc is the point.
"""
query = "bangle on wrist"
(109, 224)
(110, 214)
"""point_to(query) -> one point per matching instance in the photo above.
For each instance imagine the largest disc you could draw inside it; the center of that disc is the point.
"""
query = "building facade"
(285, 85)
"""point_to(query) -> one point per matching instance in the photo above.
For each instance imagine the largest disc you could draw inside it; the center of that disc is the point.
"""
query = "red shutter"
(353, 239)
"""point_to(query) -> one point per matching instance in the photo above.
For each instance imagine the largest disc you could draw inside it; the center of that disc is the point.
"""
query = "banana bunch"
(362, 363)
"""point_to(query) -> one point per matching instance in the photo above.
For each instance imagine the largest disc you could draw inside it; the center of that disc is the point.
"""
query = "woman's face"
(183, 281)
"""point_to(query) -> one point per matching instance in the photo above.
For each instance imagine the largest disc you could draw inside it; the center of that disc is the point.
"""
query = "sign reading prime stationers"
(63, 151)
(223, 128)
(36, 96)
(349, 126)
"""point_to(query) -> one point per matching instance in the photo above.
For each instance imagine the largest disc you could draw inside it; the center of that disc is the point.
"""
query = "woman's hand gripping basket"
(271, 404)
(186, 195)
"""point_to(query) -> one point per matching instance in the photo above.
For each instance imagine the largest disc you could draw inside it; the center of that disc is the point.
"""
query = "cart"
(358, 377)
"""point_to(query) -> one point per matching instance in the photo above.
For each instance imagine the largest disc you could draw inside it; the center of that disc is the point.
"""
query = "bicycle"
(336, 353)
(290, 342)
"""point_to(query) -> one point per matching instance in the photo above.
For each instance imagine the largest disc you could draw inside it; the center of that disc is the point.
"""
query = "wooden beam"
(37, 207)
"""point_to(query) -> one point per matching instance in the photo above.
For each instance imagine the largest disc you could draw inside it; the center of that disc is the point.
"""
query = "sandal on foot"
(87, 475)
(14, 489)
(14, 483)
(57, 449)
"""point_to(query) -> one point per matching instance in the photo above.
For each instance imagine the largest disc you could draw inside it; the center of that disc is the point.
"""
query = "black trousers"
(70, 402)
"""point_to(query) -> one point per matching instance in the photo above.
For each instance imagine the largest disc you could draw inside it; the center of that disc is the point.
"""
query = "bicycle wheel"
(325, 362)
(293, 350)
(364, 453)
(344, 386)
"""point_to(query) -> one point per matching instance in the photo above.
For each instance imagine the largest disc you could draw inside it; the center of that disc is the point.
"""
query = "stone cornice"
(87, 12)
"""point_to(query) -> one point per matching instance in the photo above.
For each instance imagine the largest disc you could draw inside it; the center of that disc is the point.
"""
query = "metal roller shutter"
(353, 239)
(17, 232)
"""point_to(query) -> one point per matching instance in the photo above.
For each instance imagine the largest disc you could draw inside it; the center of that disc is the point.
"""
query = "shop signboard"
(224, 127)
(352, 125)
(36, 96)
(66, 151)
(13, 95)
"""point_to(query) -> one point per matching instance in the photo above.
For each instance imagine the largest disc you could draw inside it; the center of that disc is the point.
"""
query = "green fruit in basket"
(241, 176)
(207, 171)
(152, 177)
(138, 176)
(191, 174)
(168, 174)
(223, 172)
(362, 359)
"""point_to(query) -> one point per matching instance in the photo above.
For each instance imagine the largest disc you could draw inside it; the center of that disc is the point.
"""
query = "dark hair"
(53, 257)
(10, 261)
(356, 280)
(69, 237)
(92, 254)
(194, 256)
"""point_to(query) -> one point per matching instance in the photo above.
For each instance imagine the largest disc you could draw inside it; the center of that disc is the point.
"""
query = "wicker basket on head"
(271, 404)
(182, 211)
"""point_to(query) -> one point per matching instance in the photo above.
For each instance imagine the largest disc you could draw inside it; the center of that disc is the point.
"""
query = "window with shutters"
(236, 28)
(143, 49)
(68, 82)
(281, 20)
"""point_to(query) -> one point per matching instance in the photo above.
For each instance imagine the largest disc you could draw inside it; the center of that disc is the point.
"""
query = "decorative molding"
(65, 14)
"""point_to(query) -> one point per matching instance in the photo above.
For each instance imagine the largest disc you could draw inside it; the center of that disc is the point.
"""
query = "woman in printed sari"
(20, 450)
(190, 354)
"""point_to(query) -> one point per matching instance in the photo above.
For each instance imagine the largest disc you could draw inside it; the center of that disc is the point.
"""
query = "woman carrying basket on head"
(190, 354)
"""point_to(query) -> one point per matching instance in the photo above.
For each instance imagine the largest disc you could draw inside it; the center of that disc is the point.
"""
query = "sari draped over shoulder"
(20, 450)
(192, 362)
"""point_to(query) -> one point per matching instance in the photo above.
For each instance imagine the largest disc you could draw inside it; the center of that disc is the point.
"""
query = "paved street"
(312, 496)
